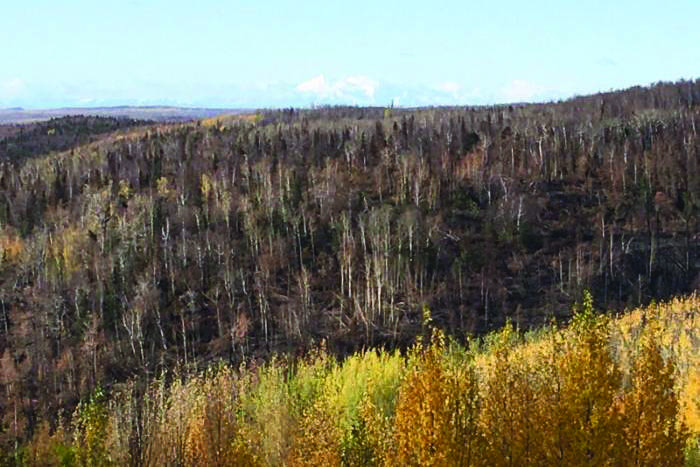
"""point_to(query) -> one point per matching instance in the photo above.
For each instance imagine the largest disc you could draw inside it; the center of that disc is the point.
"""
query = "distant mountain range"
(156, 113)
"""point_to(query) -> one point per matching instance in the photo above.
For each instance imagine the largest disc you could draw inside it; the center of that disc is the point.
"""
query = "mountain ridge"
(18, 115)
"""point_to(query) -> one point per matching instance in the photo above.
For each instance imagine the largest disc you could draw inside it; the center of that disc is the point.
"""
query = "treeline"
(598, 392)
(176, 245)
(58, 134)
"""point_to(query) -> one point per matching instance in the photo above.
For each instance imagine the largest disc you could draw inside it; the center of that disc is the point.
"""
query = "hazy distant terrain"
(162, 114)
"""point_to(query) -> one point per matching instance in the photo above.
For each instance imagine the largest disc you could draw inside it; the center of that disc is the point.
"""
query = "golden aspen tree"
(589, 379)
(652, 431)
(509, 403)
(318, 438)
(550, 417)
(436, 414)
(420, 430)
(463, 403)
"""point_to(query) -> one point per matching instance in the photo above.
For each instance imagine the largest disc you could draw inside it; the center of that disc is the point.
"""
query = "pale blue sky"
(282, 53)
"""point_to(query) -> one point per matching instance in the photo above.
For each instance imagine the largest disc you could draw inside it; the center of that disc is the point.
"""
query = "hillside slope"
(58, 134)
(172, 246)
(599, 391)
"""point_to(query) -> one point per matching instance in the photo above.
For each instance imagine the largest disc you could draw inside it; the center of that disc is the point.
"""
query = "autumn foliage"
(572, 395)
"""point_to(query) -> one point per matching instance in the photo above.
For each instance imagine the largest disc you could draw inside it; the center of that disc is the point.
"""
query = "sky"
(249, 54)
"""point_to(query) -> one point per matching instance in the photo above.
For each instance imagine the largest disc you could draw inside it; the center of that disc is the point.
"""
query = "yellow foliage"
(205, 186)
(318, 439)
(652, 436)
(690, 400)
(199, 424)
(267, 426)
(355, 402)
(678, 336)
(163, 189)
(11, 248)
(510, 403)
(599, 392)
(90, 432)
(65, 251)
(437, 412)
(125, 191)
(212, 121)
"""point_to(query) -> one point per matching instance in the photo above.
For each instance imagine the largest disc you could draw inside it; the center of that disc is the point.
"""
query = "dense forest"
(19, 141)
(164, 247)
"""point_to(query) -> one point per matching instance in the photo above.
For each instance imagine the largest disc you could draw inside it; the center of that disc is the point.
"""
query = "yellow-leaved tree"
(653, 432)
(583, 423)
(436, 420)
(511, 401)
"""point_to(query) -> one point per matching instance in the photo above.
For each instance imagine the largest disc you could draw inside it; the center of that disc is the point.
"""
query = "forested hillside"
(171, 246)
(623, 392)
(58, 134)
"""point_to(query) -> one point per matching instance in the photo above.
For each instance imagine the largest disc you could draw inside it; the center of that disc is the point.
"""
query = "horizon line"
(315, 105)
